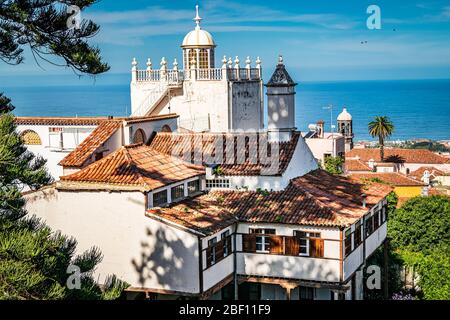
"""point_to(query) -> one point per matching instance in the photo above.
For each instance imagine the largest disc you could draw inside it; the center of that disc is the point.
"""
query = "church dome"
(198, 38)
(344, 116)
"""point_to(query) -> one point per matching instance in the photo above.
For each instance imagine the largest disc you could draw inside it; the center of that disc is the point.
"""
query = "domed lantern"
(199, 45)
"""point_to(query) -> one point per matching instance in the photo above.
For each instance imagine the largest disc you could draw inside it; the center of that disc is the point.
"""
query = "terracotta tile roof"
(190, 145)
(136, 165)
(396, 155)
(85, 149)
(131, 120)
(356, 165)
(418, 174)
(392, 178)
(86, 121)
(317, 198)
(60, 121)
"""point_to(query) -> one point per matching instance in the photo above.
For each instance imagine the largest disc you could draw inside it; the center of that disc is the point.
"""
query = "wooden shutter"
(292, 246)
(316, 248)
(249, 243)
(276, 245)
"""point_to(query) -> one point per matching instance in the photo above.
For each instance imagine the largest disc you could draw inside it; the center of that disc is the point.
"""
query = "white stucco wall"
(49, 149)
(288, 267)
(319, 147)
(306, 268)
(139, 250)
(204, 105)
(247, 107)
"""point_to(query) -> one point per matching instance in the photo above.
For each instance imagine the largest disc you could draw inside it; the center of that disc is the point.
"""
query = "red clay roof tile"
(317, 198)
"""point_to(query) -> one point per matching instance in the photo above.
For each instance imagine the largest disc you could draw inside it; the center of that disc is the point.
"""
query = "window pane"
(160, 198)
(193, 187)
(177, 192)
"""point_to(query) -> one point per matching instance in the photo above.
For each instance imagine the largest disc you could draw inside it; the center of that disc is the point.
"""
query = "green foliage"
(33, 259)
(5, 104)
(420, 235)
(392, 200)
(421, 224)
(18, 168)
(41, 25)
(333, 165)
(382, 128)
(427, 145)
(217, 171)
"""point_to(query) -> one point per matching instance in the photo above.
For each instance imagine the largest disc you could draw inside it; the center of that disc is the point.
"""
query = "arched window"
(166, 128)
(30, 137)
(139, 136)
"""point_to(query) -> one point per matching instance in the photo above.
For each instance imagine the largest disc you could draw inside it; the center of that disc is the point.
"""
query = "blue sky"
(320, 40)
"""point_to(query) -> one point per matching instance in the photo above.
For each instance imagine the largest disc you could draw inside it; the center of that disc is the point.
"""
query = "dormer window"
(193, 187)
(160, 198)
(177, 192)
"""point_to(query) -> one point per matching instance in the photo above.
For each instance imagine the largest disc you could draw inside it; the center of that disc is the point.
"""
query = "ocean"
(418, 108)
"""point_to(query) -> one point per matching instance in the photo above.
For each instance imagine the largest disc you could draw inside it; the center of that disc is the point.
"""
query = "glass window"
(376, 220)
(263, 241)
(348, 242)
(160, 198)
(30, 137)
(204, 59)
(226, 244)
(177, 192)
(218, 184)
(212, 252)
(193, 187)
(357, 234)
(306, 293)
(303, 242)
(368, 225)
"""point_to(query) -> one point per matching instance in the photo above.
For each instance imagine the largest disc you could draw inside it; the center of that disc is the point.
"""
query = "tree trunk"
(382, 149)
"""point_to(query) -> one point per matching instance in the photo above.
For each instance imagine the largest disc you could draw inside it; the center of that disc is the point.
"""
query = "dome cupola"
(344, 116)
(198, 47)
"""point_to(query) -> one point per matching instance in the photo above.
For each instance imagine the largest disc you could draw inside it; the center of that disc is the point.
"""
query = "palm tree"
(382, 128)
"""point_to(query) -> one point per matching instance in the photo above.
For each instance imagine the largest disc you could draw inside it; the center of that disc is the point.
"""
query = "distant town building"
(324, 144)
(345, 127)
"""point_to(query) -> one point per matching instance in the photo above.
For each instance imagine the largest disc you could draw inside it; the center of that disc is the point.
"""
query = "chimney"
(372, 164)
(320, 128)
(364, 202)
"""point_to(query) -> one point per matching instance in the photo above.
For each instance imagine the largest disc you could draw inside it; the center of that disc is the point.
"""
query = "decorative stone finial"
(224, 62)
(175, 64)
(149, 64)
(247, 63)
(258, 63)
(230, 62)
(197, 18)
(134, 63)
(236, 62)
(163, 63)
(280, 60)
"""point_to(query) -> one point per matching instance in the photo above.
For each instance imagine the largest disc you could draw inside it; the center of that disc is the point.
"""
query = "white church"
(193, 197)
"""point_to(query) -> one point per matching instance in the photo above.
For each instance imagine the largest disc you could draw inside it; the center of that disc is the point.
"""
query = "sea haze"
(418, 108)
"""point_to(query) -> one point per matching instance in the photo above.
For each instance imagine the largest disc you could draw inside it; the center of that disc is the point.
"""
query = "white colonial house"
(191, 197)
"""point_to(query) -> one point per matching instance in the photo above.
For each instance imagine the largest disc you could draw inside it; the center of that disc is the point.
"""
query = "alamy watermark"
(374, 20)
(74, 20)
(250, 148)
(73, 282)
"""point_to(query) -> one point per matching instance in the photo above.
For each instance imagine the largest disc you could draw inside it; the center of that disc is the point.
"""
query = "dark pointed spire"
(281, 77)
